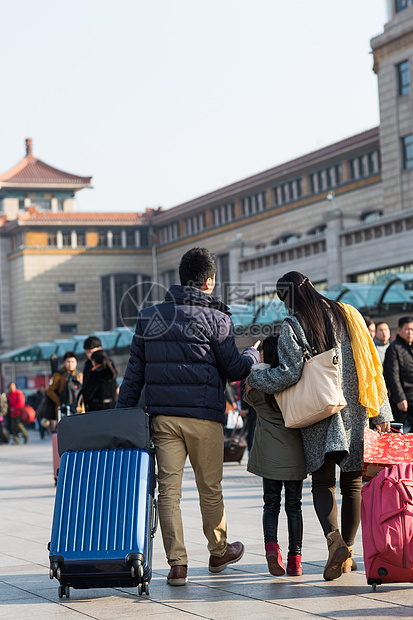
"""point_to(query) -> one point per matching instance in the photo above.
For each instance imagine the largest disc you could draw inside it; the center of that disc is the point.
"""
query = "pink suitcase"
(387, 525)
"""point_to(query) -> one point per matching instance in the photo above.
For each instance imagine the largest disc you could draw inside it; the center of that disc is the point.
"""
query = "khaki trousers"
(176, 438)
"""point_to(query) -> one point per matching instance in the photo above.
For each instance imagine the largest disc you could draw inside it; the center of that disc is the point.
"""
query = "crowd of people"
(68, 392)
(185, 364)
(396, 356)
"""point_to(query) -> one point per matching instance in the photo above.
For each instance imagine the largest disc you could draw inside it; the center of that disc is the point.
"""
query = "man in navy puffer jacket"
(184, 351)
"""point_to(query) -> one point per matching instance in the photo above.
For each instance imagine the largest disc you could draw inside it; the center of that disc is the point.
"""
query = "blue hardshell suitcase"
(104, 520)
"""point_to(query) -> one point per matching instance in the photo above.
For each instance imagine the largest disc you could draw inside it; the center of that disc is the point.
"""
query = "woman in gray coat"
(277, 456)
(337, 440)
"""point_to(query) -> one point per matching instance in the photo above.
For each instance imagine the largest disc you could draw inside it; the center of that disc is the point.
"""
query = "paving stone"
(244, 590)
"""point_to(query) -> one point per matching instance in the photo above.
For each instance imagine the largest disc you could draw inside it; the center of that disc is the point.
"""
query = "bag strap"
(305, 349)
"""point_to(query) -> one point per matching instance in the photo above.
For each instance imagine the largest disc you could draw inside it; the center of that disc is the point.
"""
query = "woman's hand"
(383, 427)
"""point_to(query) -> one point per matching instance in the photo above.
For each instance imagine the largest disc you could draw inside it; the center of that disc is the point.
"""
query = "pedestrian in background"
(34, 401)
(382, 339)
(4, 419)
(101, 388)
(277, 456)
(371, 326)
(398, 372)
(66, 386)
(90, 345)
(16, 401)
(325, 324)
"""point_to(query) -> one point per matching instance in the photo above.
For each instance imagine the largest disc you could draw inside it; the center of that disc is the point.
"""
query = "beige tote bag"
(318, 393)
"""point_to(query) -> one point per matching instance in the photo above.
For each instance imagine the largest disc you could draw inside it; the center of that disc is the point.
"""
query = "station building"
(341, 214)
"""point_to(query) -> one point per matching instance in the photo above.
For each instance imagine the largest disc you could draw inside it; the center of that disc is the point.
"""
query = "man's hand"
(383, 427)
(402, 405)
(256, 345)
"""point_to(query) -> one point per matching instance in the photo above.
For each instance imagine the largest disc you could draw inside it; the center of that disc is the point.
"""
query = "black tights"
(272, 503)
(323, 489)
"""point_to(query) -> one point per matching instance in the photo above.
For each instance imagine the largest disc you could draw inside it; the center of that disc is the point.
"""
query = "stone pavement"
(245, 590)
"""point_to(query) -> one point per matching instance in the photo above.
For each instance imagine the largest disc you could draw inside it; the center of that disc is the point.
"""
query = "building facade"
(343, 213)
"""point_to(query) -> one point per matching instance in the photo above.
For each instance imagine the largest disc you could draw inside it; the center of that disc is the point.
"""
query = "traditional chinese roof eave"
(75, 186)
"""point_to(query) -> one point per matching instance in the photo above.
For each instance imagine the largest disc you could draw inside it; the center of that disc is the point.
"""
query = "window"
(117, 238)
(144, 238)
(81, 239)
(123, 295)
(66, 287)
(67, 239)
(222, 277)
(169, 233)
(52, 240)
(317, 230)
(103, 239)
(130, 239)
(67, 308)
(68, 328)
(403, 4)
(370, 216)
(403, 77)
(407, 143)
(169, 277)
(43, 203)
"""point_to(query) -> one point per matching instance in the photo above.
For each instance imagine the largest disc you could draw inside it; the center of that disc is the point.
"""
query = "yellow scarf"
(372, 388)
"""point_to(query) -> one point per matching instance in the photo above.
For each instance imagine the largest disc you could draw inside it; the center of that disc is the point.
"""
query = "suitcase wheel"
(55, 571)
(136, 569)
(143, 588)
(63, 591)
(373, 582)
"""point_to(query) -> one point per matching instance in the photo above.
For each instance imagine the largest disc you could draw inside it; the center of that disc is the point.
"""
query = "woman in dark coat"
(100, 390)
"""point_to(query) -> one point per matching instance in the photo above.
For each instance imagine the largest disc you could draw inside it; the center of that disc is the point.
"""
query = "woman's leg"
(323, 489)
(272, 502)
(293, 494)
(350, 485)
(324, 483)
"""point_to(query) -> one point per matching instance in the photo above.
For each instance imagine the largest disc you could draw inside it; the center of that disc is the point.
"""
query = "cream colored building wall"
(5, 305)
(298, 220)
(396, 112)
(35, 297)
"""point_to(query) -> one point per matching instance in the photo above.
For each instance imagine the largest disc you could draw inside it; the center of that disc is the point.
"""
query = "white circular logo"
(138, 297)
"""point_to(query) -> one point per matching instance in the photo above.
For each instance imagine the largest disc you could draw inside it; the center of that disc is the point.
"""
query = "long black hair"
(322, 319)
(101, 358)
(270, 354)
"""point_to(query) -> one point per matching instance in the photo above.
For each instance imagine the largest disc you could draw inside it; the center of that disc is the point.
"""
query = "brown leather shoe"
(337, 555)
(177, 576)
(234, 552)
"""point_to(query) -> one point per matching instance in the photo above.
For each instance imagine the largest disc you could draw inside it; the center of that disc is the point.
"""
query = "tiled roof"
(290, 167)
(34, 172)
(33, 217)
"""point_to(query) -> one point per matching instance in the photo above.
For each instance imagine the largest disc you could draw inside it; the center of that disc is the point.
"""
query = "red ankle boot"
(294, 566)
(274, 559)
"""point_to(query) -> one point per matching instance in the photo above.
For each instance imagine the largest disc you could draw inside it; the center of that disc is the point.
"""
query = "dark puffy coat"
(398, 371)
(100, 390)
(184, 351)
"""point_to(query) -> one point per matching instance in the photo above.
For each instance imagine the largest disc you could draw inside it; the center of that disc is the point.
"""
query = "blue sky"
(165, 100)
